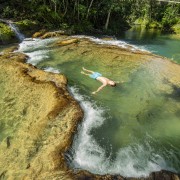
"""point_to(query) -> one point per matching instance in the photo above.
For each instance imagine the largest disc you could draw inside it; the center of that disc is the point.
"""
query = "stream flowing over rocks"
(39, 117)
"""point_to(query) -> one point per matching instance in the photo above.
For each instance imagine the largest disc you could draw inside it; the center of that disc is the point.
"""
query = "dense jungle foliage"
(93, 15)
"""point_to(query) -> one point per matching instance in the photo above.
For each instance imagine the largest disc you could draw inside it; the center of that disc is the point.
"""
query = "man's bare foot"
(82, 72)
(83, 68)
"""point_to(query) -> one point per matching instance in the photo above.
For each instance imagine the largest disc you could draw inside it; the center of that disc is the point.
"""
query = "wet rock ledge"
(38, 118)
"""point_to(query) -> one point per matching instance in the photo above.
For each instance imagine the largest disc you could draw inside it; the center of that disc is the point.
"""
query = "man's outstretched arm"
(99, 89)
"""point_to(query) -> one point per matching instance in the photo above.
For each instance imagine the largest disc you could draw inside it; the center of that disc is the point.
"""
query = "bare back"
(103, 80)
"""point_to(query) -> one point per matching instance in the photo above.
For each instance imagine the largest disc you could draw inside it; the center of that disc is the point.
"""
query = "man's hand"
(94, 92)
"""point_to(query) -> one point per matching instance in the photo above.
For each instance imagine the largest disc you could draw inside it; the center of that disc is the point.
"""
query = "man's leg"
(87, 70)
(82, 72)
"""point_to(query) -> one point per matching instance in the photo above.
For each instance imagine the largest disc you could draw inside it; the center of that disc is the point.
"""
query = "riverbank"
(33, 28)
(52, 122)
(37, 122)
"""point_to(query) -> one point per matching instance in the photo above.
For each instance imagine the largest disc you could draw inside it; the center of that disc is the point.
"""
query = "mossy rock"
(154, 25)
(148, 24)
(26, 24)
(27, 27)
(39, 33)
(10, 49)
(6, 34)
(141, 21)
(176, 28)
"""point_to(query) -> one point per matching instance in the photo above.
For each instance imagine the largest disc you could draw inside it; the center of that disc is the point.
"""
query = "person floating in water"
(97, 76)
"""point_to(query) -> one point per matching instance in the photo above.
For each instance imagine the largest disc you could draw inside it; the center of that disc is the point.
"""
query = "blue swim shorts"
(95, 75)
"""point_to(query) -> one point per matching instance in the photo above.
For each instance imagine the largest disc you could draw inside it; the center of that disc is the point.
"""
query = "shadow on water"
(175, 94)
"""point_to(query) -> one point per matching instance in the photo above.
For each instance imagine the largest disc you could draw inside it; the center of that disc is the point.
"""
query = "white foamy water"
(32, 44)
(88, 154)
(130, 161)
(114, 42)
(37, 56)
(36, 49)
(19, 35)
(50, 69)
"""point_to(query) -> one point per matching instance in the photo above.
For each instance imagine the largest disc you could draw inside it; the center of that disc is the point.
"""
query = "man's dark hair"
(113, 85)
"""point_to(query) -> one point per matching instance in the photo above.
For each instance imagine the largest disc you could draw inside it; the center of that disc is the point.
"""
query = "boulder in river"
(67, 42)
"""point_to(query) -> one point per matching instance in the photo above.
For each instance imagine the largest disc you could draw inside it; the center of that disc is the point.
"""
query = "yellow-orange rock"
(37, 120)
(67, 42)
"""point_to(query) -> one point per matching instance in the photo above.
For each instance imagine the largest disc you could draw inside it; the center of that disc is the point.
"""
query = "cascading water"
(19, 35)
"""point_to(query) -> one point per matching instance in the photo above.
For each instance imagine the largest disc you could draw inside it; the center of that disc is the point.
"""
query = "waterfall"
(19, 35)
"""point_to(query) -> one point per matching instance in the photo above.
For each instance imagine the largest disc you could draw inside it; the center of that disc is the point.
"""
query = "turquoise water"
(154, 41)
(139, 124)
(132, 129)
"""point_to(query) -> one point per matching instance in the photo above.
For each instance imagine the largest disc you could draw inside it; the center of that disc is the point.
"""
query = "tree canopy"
(81, 15)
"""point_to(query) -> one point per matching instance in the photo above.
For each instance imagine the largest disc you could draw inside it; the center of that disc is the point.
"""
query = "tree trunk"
(78, 10)
(55, 5)
(74, 10)
(108, 18)
(65, 7)
(89, 9)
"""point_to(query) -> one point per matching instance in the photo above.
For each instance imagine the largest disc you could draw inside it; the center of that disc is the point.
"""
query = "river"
(132, 129)
(167, 45)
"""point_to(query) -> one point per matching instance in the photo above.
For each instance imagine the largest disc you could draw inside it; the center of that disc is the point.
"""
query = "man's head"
(112, 83)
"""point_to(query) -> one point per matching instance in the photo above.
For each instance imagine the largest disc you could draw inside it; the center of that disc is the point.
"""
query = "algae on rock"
(6, 34)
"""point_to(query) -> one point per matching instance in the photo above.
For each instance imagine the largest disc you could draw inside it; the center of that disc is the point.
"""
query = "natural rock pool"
(132, 129)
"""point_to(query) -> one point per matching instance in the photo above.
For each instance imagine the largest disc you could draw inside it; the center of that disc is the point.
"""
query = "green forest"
(111, 16)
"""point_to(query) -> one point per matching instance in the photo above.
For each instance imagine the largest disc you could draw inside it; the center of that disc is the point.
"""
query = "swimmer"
(97, 76)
